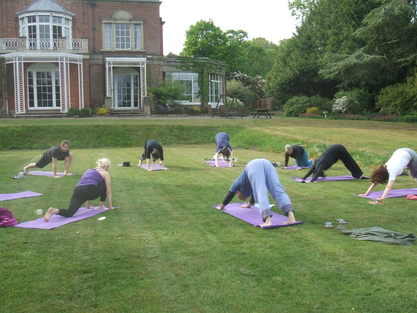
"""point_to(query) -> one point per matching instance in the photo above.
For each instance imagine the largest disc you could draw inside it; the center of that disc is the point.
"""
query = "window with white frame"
(44, 89)
(216, 89)
(122, 36)
(44, 31)
(190, 84)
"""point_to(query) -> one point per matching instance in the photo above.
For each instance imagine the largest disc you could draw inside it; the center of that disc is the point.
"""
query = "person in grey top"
(401, 159)
(258, 179)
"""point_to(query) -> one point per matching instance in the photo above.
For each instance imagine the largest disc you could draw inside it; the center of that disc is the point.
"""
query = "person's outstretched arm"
(216, 159)
(287, 157)
(109, 195)
(54, 167)
(227, 199)
(231, 158)
(371, 187)
(309, 173)
(67, 164)
(387, 190)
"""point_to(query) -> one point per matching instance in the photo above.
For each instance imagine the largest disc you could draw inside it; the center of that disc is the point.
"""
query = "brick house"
(63, 54)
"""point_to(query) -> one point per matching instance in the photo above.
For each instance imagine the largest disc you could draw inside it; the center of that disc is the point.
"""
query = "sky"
(270, 19)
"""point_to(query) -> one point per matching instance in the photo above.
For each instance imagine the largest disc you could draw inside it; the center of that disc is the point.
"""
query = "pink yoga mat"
(45, 173)
(396, 193)
(154, 167)
(252, 216)
(328, 178)
(222, 163)
(58, 220)
(18, 195)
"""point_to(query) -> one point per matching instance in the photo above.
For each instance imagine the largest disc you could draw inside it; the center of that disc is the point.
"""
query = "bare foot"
(245, 205)
(291, 218)
(267, 223)
(49, 214)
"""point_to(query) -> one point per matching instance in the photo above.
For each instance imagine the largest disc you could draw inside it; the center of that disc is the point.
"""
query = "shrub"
(399, 98)
(102, 111)
(167, 94)
(73, 112)
(86, 112)
(298, 105)
(236, 90)
(353, 101)
(313, 111)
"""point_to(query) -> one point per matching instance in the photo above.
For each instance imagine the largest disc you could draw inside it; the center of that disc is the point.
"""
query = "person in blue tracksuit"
(257, 180)
(223, 148)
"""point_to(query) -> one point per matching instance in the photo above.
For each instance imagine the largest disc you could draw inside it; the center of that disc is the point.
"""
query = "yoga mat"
(328, 178)
(154, 167)
(251, 216)
(396, 193)
(222, 163)
(58, 220)
(44, 173)
(18, 195)
(294, 167)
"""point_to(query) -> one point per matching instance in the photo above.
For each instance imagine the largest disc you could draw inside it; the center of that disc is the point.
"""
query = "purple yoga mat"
(396, 193)
(154, 167)
(222, 163)
(44, 173)
(328, 178)
(18, 195)
(252, 216)
(58, 220)
(294, 167)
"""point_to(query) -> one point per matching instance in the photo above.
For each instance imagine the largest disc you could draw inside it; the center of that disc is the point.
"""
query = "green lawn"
(166, 250)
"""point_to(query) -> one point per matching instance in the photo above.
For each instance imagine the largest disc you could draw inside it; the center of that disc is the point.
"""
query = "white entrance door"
(126, 91)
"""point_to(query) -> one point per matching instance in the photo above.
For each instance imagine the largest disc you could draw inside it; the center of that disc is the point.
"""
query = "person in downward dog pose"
(152, 151)
(94, 183)
(223, 149)
(258, 179)
(401, 159)
(329, 157)
(54, 154)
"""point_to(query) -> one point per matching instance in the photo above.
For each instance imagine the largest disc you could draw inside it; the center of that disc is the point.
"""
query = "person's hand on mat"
(245, 205)
(220, 207)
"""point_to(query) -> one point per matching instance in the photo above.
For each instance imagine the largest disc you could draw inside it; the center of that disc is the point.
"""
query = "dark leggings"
(82, 194)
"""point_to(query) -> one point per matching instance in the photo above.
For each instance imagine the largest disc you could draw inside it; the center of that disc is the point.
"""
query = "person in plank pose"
(298, 153)
(223, 148)
(400, 160)
(54, 154)
(153, 151)
(94, 183)
(329, 157)
(257, 180)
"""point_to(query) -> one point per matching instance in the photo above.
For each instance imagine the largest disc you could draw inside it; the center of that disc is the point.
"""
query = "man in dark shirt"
(54, 154)
(329, 157)
(154, 150)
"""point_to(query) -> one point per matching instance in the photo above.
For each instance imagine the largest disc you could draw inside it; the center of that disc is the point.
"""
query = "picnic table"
(263, 107)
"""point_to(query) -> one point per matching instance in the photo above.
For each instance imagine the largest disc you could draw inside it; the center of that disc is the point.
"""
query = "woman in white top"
(400, 160)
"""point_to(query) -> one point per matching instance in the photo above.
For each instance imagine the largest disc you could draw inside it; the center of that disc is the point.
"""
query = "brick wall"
(87, 22)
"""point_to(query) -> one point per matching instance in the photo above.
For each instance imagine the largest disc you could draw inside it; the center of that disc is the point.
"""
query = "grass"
(167, 250)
